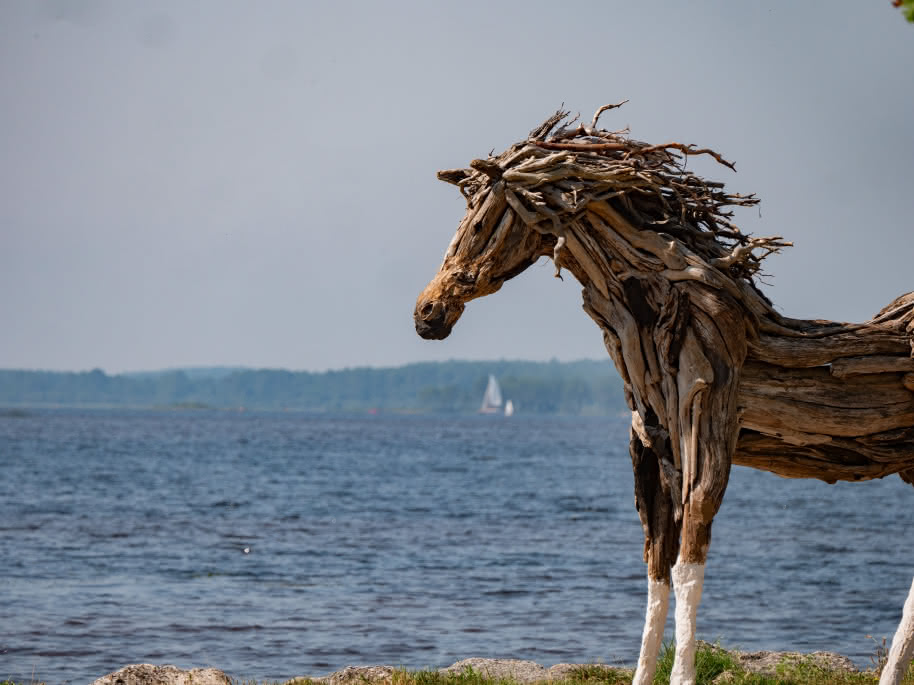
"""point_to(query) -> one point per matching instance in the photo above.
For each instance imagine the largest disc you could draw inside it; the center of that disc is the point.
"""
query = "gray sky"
(254, 183)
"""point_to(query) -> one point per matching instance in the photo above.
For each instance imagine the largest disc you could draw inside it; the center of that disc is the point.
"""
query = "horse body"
(713, 375)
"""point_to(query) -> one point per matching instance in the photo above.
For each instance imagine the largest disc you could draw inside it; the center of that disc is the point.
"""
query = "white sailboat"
(492, 401)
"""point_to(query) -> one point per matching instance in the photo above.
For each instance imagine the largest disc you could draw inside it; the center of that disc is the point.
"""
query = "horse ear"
(490, 169)
(454, 176)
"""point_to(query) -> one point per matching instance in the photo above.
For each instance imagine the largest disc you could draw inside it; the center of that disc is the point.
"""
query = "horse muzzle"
(435, 318)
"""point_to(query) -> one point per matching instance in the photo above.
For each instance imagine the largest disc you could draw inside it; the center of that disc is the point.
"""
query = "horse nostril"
(434, 318)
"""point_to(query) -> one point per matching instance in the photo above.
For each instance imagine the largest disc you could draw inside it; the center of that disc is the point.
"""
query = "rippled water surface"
(276, 545)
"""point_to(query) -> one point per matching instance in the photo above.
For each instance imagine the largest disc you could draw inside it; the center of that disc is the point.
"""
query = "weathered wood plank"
(857, 366)
(800, 352)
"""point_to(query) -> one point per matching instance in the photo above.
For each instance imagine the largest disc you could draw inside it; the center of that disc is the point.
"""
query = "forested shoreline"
(585, 387)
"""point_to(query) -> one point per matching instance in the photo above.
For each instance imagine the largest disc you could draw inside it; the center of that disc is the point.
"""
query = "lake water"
(277, 545)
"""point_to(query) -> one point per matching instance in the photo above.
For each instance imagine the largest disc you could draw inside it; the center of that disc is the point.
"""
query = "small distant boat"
(492, 401)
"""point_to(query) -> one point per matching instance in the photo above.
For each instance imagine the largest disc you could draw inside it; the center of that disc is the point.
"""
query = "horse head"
(491, 246)
(602, 205)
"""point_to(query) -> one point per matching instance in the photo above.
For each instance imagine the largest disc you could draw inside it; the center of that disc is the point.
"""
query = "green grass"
(711, 662)
(584, 675)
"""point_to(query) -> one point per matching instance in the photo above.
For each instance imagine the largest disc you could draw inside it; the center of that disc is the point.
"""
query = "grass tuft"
(468, 676)
(711, 661)
(597, 674)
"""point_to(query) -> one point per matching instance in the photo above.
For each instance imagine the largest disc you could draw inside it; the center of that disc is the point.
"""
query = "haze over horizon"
(229, 184)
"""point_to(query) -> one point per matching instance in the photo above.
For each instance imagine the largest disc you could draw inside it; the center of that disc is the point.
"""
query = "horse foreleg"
(902, 646)
(689, 571)
(654, 500)
(708, 423)
(688, 579)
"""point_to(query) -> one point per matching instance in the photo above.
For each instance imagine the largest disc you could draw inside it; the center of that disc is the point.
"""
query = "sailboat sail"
(491, 401)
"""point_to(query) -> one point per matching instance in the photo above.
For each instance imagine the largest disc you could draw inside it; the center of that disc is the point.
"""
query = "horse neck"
(643, 289)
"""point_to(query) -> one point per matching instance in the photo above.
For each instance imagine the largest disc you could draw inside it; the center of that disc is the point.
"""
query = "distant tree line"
(583, 387)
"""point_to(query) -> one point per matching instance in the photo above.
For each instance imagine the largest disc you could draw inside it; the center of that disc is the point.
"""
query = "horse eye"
(466, 277)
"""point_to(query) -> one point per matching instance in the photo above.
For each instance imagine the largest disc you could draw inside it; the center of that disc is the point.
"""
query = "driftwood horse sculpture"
(714, 376)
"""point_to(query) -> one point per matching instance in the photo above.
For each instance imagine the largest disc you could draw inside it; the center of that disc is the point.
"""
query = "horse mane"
(561, 168)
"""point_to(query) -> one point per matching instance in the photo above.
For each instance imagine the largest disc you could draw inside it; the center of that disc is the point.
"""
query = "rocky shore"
(517, 671)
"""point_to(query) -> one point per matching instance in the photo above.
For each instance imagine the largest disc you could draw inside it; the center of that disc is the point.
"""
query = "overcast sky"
(202, 183)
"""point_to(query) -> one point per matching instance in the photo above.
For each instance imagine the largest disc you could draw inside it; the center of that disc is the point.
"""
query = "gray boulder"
(148, 674)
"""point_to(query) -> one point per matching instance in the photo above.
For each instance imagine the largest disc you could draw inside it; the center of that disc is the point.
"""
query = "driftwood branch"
(604, 108)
